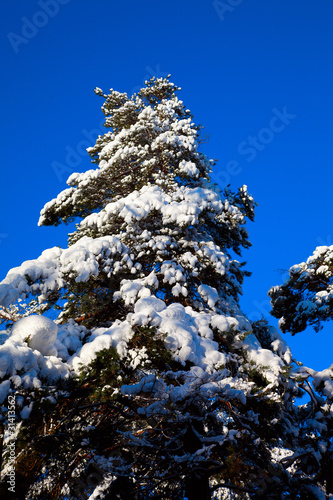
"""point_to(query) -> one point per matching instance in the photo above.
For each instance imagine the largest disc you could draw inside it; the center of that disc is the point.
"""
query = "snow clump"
(38, 331)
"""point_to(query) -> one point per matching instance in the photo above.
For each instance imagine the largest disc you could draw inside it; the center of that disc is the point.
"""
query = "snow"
(40, 333)
(186, 334)
(22, 366)
(37, 349)
(209, 294)
(145, 385)
(149, 306)
(182, 207)
(131, 289)
(117, 336)
(324, 377)
(189, 168)
(25, 413)
(263, 358)
(50, 271)
(220, 322)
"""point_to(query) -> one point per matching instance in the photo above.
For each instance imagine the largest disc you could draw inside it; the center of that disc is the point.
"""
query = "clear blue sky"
(241, 66)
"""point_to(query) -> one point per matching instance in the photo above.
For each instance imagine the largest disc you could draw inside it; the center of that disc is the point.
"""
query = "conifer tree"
(135, 373)
(306, 297)
(303, 300)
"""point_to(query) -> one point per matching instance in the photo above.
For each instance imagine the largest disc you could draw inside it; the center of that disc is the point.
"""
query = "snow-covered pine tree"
(306, 299)
(148, 381)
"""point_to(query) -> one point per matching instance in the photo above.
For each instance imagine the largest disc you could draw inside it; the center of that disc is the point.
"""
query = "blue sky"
(258, 75)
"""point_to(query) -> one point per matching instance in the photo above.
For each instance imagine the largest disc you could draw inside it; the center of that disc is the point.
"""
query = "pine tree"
(135, 373)
(305, 298)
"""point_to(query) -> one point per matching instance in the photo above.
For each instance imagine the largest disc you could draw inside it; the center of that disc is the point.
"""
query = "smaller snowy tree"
(306, 299)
